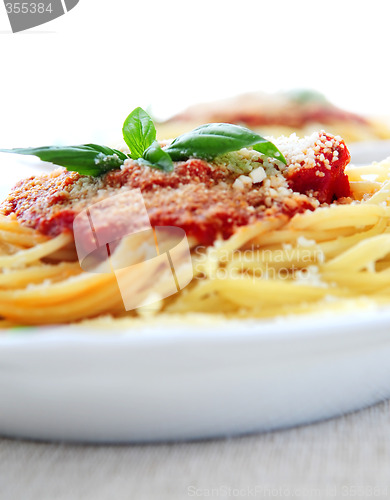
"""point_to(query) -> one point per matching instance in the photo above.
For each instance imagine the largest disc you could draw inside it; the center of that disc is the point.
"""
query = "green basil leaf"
(268, 149)
(304, 96)
(214, 139)
(87, 159)
(106, 150)
(156, 157)
(139, 132)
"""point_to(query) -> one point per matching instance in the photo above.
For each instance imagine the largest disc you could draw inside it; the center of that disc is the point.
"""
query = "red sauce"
(192, 198)
(325, 182)
(299, 118)
(196, 197)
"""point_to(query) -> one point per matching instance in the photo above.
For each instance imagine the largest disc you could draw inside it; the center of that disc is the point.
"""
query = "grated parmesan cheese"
(258, 175)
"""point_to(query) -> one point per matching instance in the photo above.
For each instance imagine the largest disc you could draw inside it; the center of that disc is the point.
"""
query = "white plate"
(190, 382)
(364, 153)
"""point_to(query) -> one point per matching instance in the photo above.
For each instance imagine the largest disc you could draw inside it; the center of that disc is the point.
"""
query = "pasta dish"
(267, 237)
(300, 111)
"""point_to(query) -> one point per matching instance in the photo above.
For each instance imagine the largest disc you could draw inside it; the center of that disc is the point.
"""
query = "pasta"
(333, 257)
(300, 111)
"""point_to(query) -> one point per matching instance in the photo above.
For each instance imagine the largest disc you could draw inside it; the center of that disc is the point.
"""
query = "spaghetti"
(319, 256)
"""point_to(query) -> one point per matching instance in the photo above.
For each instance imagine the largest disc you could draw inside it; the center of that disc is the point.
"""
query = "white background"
(75, 79)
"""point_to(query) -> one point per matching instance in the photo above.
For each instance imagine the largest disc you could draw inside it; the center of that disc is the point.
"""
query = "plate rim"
(280, 328)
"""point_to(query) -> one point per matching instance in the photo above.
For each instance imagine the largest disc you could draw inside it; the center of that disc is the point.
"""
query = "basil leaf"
(156, 157)
(303, 96)
(87, 159)
(139, 132)
(214, 139)
(268, 149)
(106, 150)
